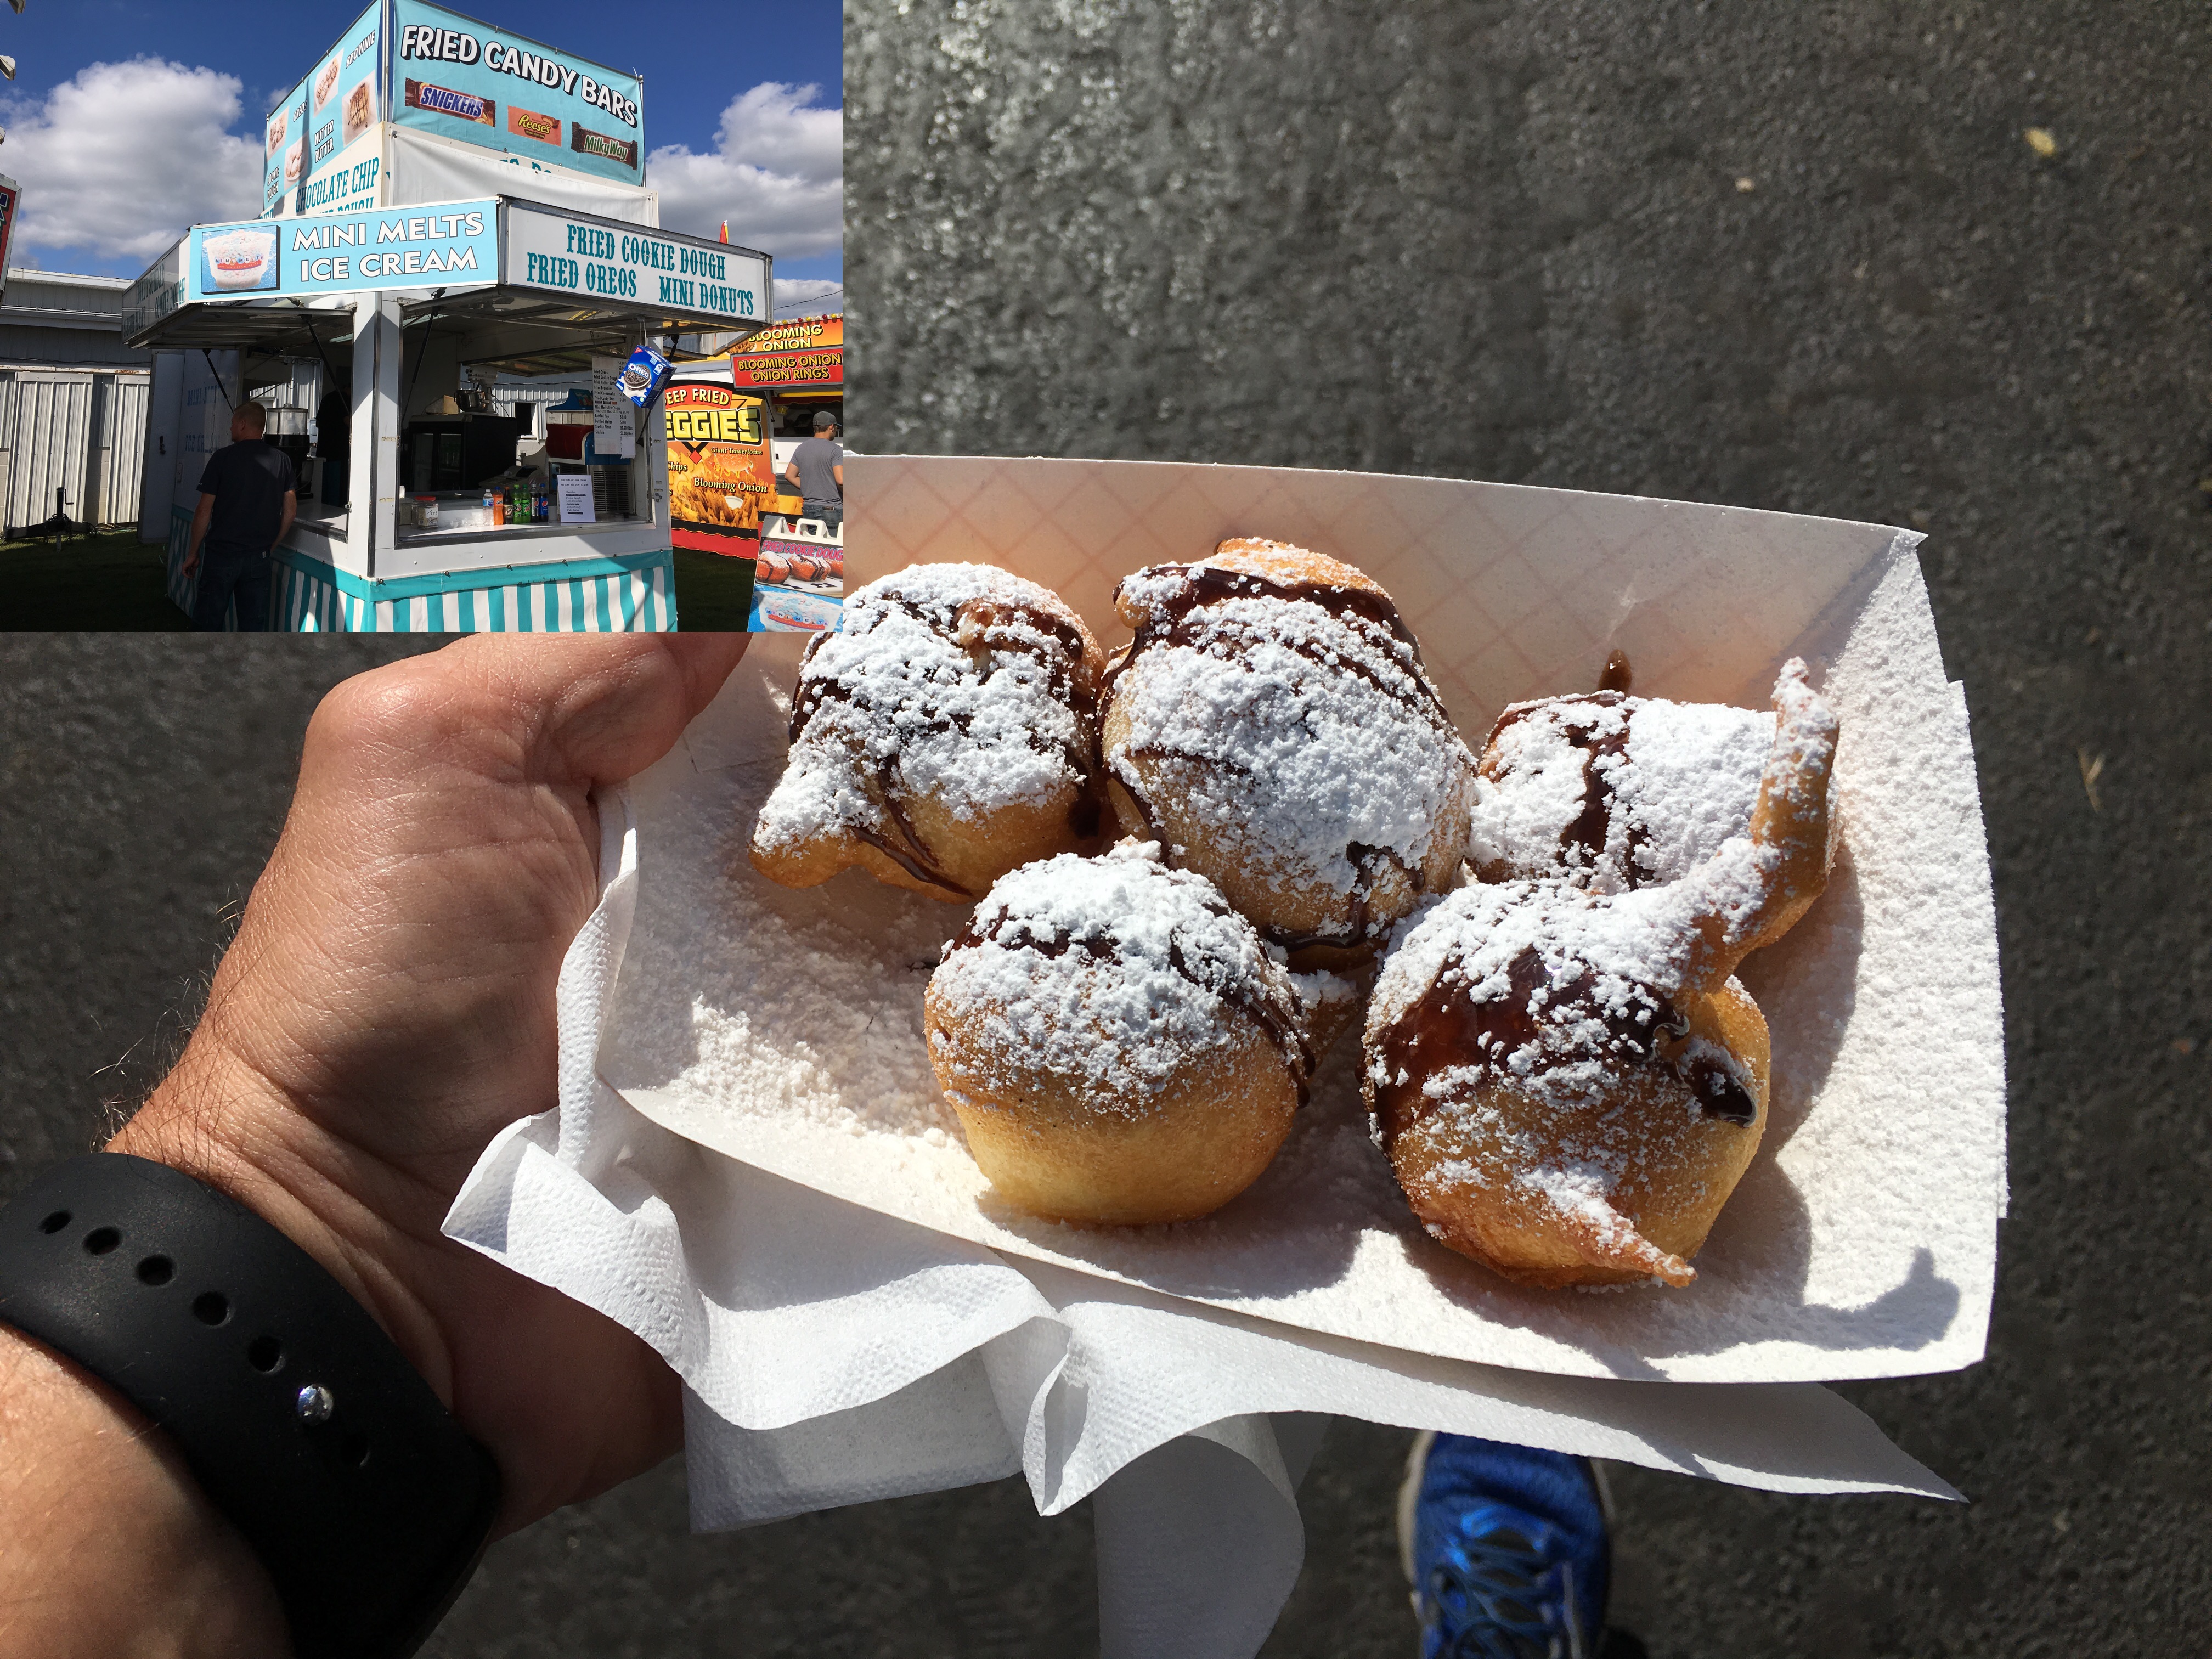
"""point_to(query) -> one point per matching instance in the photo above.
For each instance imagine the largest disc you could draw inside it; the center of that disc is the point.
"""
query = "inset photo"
(381, 337)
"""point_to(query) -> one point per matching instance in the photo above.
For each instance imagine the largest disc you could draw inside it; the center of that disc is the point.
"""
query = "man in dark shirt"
(246, 504)
(818, 467)
(334, 442)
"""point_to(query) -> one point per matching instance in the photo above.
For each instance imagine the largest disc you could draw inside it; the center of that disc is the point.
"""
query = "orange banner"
(807, 353)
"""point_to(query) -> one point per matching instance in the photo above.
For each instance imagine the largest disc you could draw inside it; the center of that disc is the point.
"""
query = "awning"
(559, 287)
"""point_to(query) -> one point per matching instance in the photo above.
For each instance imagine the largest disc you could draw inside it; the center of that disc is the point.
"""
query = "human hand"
(388, 1006)
(191, 563)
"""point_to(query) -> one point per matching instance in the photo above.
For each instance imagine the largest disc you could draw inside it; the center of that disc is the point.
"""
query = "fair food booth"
(420, 297)
(429, 249)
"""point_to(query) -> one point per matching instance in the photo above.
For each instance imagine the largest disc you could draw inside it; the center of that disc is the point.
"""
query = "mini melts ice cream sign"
(465, 80)
(445, 245)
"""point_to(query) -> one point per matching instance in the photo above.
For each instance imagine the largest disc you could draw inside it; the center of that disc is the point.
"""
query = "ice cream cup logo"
(242, 258)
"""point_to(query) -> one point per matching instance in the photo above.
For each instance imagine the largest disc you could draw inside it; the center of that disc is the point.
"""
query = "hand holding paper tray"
(837, 1213)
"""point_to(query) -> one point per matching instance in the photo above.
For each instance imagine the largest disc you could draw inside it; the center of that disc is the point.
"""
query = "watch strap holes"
(156, 1270)
(55, 1223)
(101, 1239)
(264, 1354)
(211, 1308)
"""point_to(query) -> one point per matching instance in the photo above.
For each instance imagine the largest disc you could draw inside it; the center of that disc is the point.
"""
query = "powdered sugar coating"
(1620, 950)
(1670, 782)
(1112, 973)
(896, 694)
(1313, 732)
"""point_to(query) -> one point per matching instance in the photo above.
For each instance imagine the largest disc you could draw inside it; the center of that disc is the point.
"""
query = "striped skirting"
(635, 593)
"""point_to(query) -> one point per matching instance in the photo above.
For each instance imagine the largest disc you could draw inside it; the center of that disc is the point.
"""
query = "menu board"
(466, 79)
(417, 64)
(284, 152)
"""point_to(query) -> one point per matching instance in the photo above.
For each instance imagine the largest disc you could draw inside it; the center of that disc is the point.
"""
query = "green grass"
(111, 582)
(713, 594)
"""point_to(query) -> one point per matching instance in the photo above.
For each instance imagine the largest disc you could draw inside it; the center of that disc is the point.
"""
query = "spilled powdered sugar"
(895, 695)
(1110, 972)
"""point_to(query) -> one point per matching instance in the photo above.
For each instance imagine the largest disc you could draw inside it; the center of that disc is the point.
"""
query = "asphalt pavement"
(1806, 258)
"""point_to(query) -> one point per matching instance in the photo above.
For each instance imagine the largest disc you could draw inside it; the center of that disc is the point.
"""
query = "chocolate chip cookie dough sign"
(466, 79)
(328, 125)
(596, 259)
(441, 245)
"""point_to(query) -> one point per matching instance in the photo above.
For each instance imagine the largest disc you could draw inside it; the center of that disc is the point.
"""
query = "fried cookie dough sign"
(1568, 1083)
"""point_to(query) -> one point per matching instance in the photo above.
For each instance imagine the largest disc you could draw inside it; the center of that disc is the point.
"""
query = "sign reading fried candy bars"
(463, 77)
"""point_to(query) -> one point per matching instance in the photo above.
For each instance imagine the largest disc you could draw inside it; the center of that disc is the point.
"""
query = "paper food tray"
(784, 1028)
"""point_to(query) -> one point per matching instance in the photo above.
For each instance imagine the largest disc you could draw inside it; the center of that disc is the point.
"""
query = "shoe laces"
(1497, 1596)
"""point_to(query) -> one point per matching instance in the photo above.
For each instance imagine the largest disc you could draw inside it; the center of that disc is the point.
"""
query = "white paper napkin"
(833, 1354)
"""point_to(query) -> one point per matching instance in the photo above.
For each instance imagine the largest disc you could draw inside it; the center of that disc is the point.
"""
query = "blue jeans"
(249, 578)
(832, 514)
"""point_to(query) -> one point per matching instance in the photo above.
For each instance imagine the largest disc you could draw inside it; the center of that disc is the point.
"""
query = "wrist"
(367, 1226)
(108, 1546)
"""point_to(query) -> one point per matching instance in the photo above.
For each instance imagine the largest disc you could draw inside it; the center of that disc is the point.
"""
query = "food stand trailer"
(419, 294)
(447, 203)
(798, 367)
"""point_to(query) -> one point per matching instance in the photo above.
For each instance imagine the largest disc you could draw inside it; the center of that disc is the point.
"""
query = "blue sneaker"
(1506, 1549)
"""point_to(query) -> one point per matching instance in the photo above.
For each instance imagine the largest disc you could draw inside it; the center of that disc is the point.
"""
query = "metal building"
(73, 402)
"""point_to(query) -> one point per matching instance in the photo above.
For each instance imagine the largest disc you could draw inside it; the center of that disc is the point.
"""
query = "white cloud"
(808, 296)
(777, 173)
(123, 158)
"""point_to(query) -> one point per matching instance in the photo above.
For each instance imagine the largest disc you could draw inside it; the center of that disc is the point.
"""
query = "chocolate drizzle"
(1449, 1027)
(1616, 675)
(1719, 1090)
(985, 626)
(1592, 827)
(1368, 612)
(1276, 1015)
(1204, 585)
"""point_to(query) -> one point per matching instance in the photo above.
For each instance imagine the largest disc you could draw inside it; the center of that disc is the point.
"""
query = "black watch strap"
(300, 1418)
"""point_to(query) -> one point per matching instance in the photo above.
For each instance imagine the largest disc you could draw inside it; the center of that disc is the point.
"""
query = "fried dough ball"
(1612, 792)
(1568, 1083)
(943, 737)
(1119, 1044)
(1271, 727)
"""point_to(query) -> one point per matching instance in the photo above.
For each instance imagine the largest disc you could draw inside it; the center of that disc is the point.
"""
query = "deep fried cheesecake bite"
(1568, 1083)
(946, 735)
(1271, 727)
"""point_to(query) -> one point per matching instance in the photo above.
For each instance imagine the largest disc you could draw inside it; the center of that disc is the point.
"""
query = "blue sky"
(115, 159)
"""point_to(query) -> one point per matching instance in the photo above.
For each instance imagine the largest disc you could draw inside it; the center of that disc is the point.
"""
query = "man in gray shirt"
(818, 467)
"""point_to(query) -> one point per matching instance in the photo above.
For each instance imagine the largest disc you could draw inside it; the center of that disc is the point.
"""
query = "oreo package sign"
(468, 81)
